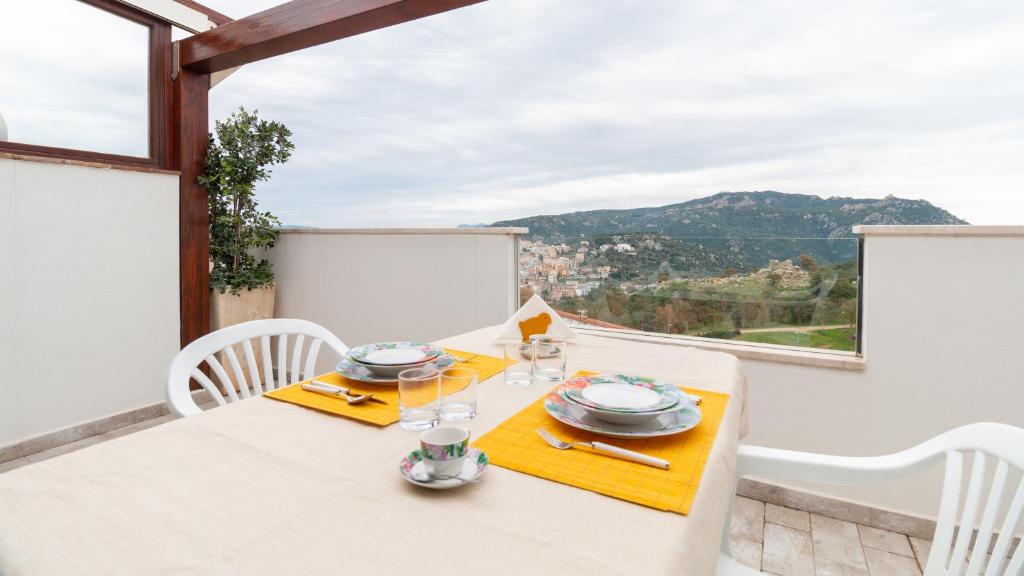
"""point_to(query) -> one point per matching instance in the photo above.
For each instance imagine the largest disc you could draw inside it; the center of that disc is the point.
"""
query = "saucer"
(472, 468)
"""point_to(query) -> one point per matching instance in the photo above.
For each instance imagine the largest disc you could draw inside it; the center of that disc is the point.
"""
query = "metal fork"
(465, 359)
(604, 449)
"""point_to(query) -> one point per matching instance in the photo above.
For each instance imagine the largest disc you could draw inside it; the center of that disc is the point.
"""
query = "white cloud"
(511, 108)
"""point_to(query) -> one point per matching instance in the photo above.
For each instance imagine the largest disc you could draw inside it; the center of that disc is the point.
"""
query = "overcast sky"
(513, 108)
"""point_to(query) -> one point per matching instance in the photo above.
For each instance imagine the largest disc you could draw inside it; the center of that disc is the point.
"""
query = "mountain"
(735, 229)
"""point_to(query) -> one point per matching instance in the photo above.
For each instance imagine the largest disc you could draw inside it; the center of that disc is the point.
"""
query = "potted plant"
(239, 155)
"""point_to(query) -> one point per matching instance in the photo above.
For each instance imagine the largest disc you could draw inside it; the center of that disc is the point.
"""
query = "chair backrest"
(983, 499)
(290, 368)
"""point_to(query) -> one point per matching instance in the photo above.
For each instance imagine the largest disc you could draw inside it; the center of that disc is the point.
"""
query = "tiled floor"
(787, 542)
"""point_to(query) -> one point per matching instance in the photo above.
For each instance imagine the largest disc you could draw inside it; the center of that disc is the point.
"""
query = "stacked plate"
(381, 362)
(622, 406)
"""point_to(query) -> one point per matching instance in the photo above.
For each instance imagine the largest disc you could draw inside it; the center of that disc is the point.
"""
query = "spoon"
(425, 478)
(350, 399)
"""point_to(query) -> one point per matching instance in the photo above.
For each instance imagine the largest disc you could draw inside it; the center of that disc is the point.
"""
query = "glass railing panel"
(787, 291)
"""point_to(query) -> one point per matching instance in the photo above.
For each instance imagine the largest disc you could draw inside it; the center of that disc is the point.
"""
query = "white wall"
(374, 285)
(943, 345)
(88, 293)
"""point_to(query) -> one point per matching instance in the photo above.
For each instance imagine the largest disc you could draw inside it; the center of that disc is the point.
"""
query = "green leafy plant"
(237, 158)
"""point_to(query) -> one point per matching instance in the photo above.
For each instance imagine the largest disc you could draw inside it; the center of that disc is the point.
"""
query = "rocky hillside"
(739, 229)
(740, 215)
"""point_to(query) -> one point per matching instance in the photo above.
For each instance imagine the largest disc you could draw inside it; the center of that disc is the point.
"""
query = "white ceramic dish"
(395, 357)
(355, 371)
(663, 424)
(394, 353)
(392, 371)
(622, 396)
(626, 418)
(622, 393)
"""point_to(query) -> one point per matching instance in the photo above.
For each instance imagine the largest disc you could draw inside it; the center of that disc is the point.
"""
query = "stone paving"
(788, 542)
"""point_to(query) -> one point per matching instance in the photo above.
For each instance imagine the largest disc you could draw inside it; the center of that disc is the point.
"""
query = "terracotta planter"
(228, 309)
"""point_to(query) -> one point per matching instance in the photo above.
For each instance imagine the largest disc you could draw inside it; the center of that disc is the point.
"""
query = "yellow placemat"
(374, 412)
(514, 444)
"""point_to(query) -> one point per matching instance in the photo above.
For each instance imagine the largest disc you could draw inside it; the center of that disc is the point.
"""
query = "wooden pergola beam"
(299, 24)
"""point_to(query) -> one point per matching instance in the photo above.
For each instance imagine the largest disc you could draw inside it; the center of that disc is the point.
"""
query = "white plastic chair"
(185, 365)
(1003, 444)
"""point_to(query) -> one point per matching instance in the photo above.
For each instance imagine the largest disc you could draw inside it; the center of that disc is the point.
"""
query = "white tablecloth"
(264, 487)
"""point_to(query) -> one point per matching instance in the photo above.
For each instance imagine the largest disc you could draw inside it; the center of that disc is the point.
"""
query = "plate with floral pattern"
(356, 371)
(394, 353)
(472, 468)
(622, 393)
(665, 424)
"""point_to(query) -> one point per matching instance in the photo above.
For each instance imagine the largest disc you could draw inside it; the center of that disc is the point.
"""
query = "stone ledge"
(86, 164)
(924, 230)
(50, 440)
(761, 352)
(483, 231)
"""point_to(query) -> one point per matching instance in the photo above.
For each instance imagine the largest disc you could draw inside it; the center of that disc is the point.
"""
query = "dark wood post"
(190, 113)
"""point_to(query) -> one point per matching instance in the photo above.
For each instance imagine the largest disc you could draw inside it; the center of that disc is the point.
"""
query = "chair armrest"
(792, 465)
(993, 438)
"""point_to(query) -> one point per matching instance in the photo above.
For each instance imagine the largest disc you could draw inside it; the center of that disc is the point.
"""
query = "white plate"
(621, 395)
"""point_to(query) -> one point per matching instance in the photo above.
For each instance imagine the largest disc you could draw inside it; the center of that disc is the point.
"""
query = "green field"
(833, 339)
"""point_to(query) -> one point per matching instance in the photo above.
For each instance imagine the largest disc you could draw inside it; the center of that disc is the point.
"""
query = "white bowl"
(392, 370)
(629, 418)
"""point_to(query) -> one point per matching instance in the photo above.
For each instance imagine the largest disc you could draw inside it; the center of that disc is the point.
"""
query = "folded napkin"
(531, 318)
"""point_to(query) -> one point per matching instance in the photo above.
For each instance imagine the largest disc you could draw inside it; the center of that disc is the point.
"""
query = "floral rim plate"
(472, 468)
(577, 390)
(571, 414)
(366, 352)
(356, 371)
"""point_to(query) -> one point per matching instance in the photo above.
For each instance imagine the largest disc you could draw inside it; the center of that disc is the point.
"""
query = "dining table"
(266, 487)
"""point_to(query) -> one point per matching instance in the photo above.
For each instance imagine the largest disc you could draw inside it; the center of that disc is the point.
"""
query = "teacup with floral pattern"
(444, 449)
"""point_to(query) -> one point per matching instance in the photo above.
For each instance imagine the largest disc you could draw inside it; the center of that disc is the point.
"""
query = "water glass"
(549, 357)
(419, 398)
(458, 393)
(517, 368)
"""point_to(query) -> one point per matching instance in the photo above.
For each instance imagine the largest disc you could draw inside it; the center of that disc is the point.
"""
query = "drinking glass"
(419, 398)
(548, 358)
(517, 373)
(458, 393)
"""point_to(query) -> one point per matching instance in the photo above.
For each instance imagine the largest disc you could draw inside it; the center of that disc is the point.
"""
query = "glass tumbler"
(419, 398)
(458, 393)
(517, 364)
(549, 357)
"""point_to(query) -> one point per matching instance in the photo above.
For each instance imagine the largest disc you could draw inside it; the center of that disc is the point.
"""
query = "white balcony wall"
(943, 347)
(397, 284)
(88, 293)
